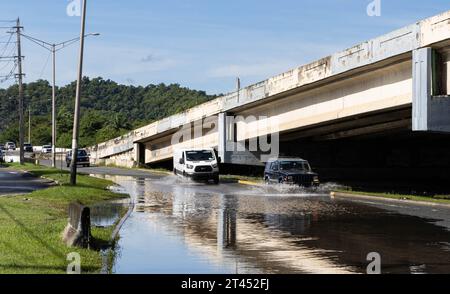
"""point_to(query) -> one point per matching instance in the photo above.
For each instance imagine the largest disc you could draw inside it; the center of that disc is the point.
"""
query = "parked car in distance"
(292, 171)
(82, 158)
(198, 164)
(46, 149)
(10, 146)
(27, 147)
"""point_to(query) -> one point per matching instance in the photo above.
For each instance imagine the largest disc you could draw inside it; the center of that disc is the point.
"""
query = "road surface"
(179, 226)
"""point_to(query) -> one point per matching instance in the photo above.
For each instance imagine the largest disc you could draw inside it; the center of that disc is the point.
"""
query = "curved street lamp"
(53, 48)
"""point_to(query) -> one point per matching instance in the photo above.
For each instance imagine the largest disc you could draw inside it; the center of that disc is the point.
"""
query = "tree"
(108, 109)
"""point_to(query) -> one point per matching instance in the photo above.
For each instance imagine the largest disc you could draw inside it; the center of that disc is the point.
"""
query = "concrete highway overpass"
(378, 109)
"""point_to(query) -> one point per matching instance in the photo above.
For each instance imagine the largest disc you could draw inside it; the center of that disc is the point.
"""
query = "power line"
(8, 57)
(4, 37)
(45, 65)
(10, 75)
(11, 53)
(6, 65)
(17, 58)
(7, 44)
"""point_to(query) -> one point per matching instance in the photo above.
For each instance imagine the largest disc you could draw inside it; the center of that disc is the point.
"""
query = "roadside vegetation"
(442, 199)
(109, 109)
(31, 225)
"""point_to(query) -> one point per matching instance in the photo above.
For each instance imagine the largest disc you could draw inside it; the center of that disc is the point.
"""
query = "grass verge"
(31, 226)
(439, 199)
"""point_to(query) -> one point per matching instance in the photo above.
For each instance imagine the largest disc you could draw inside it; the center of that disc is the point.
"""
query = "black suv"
(82, 158)
(294, 171)
(27, 147)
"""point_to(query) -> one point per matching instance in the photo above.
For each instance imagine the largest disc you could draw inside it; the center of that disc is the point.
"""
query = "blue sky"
(203, 44)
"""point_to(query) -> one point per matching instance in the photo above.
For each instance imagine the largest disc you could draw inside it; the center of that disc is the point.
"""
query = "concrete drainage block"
(78, 230)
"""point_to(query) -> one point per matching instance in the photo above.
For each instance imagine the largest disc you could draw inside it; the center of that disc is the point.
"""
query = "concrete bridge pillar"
(139, 154)
(430, 113)
(226, 137)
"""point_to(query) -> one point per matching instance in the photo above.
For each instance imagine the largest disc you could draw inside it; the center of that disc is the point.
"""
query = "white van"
(198, 164)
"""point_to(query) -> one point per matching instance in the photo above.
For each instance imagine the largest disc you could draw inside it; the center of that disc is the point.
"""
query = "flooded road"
(182, 227)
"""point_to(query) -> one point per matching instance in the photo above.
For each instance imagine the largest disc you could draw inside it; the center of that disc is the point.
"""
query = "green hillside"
(107, 109)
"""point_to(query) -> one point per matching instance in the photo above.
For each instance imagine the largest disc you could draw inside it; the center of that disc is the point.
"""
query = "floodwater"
(180, 227)
(107, 214)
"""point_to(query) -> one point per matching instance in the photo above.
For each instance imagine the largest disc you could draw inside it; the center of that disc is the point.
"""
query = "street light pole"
(54, 107)
(76, 119)
(53, 48)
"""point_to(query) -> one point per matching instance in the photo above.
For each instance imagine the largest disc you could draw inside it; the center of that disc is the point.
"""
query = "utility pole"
(19, 77)
(76, 119)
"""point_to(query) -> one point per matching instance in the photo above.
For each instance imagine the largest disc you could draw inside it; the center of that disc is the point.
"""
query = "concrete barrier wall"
(12, 158)
(78, 229)
(162, 149)
(125, 159)
(435, 29)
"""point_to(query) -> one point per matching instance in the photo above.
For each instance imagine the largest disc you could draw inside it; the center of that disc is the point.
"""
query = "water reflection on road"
(184, 227)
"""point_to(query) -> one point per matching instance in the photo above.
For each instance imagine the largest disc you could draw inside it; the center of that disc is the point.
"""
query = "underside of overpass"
(395, 158)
